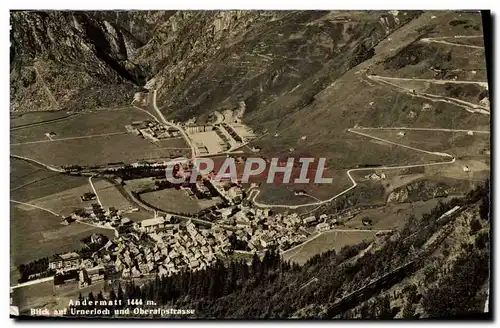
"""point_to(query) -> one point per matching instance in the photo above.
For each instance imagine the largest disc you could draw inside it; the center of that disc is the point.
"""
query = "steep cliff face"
(199, 61)
(63, 60)
(205, 61)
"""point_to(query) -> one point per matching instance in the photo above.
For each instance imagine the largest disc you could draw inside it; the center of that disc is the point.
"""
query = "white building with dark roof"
(151, 225)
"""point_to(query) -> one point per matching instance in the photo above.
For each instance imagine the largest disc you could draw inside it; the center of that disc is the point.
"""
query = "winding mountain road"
(181, 130)
(423, 129)
(443, 39)
(434, 81)
(468, 106)
(254, 193)
(386, 80)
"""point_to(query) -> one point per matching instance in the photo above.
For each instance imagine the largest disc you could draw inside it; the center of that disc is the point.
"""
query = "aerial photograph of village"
(249, 164)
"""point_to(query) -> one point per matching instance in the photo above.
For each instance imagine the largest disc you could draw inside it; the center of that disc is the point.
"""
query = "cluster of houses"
(152, 130)
(167, 249)
(132, 258)
(190, 247)
(95, 214)
(260, 229)
(165, 245)
(281, 230)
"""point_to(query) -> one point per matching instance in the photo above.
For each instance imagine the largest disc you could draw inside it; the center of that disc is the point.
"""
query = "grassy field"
(35, 233)
(18, 120)
(137, 185)
(101, 150)
(462, 61)
(457, 143)
(138, 216)
(48, 186)
(417, 59)
(173, 200)
(326, 241)
(392, 216)
(66, 201)
(91, 138)
(44, 295)
(84, 124)
(280, 193)
(109, 195)
(352, 151)
(28, 296)
(469, 92)
(30, 182)
(23, 173)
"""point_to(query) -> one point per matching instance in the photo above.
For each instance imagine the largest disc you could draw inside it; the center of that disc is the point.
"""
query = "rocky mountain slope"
(71, 60)
(284, 66)
(303, 78)
(198, 61)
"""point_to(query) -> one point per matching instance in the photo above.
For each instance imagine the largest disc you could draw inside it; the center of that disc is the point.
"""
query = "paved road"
(442, 41)
(94, 190)
(399, 144)
(470, 107)
(313, 280)
(181, 130)
(458, 37)
(423, 129)
(254, 193)
(69, 138)
(98, 226)
(145, 111)
(434, 81)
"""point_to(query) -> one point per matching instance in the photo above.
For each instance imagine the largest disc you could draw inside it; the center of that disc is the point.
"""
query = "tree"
(91, 297)
(408, 311)
(484, 208)
(475, 226)
(255, 263)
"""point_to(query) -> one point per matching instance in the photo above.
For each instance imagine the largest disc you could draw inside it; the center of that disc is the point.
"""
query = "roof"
(152, 222)
(235, 190)
(310, 219)
(69, 256)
